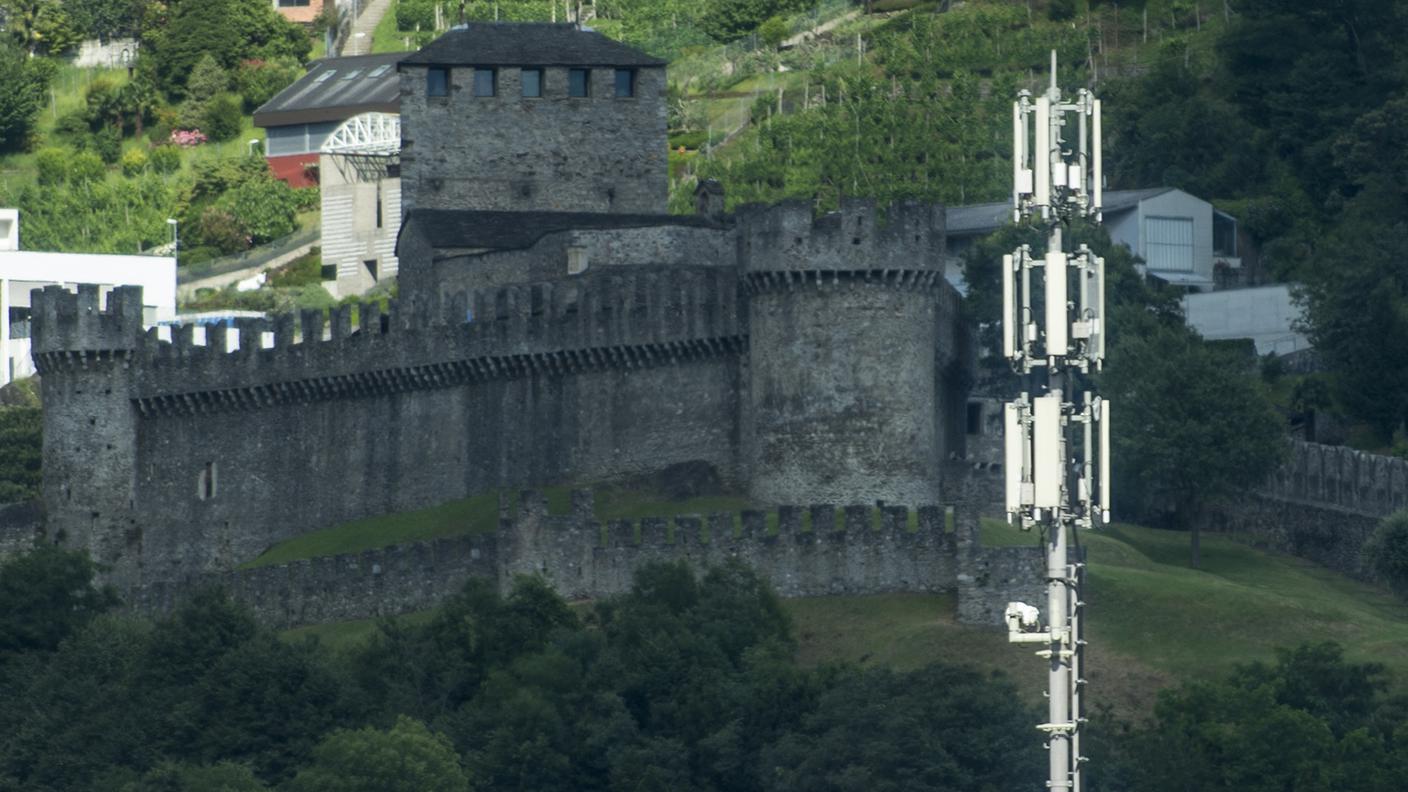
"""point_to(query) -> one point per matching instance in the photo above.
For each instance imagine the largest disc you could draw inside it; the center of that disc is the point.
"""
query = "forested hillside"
(97, 159)
(1288, 114)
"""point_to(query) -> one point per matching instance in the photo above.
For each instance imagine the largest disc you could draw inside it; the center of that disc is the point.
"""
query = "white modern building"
(361, 196)
(1265, 314)
(23, 270)
(1181, 238)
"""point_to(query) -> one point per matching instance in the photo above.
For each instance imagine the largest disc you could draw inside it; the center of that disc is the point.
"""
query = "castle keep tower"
(85, 357)
(852, 333)
(533, 117)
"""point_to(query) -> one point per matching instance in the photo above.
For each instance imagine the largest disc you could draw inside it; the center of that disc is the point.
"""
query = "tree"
(406, 758)
(1308, 722)
(226, 30)
(106, 19)
(39, 26)
(26, 82)
(872, 731)
(21, 453)
(1388, 551)
(1192, 422)
(46, 595)
(727, 20)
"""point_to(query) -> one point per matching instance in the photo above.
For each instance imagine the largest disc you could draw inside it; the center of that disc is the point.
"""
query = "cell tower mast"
(1056, 445)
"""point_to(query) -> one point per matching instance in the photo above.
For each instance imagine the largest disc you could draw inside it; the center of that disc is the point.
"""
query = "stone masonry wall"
(1328, 535)
(216, 455)
(1323, 505)
(557, 153)
(381, 582)
(816, 550)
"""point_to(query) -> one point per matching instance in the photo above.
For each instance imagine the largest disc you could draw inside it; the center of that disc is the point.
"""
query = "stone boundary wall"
(1342, 479)
(380, 582)
(1328, 535)
(815, 550)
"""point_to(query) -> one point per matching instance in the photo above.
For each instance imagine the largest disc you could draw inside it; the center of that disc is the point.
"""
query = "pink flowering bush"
(187, 137)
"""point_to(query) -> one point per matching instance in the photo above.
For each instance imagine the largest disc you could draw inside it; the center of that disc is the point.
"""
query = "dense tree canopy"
(26, 82)
(685, 683)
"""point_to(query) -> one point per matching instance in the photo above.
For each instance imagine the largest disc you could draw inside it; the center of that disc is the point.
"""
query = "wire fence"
(249, 258)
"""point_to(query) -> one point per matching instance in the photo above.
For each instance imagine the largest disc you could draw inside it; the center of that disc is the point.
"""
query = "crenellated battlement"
(617, 321)
(906, 239)
(803, 550)
(71, 326)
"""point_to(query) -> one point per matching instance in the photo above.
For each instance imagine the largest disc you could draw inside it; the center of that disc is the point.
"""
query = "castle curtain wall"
(289, 469)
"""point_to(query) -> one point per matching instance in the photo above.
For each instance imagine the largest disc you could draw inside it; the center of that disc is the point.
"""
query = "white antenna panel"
(1009, 318)
(1099, 186)
(1046, 451)
(1041, 154)
(1057, 341)
(1104, 406)
(1098, 342)
(1013, 463)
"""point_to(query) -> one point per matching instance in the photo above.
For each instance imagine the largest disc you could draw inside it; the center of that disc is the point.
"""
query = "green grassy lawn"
(386, 38)
(479, 514)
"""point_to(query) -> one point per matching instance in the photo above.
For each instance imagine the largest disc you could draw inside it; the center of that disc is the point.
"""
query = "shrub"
(774, 31)
(134, 161)
(415, 15)
(307, 198)
(224, 117)
(86, 167)
(220, 229)
(165, 159)
(258, 81)
(106, 143)
(73, 124)
(265, 208)
(207, 80)
(52, 164)
(1387, 551)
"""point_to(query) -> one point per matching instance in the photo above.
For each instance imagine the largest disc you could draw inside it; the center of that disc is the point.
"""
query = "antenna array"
(1056, 446)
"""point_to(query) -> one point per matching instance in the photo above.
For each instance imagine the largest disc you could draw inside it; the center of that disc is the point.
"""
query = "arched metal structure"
(366, 135)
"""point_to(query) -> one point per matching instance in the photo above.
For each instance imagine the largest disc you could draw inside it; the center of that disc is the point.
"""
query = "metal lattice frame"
(366, 135)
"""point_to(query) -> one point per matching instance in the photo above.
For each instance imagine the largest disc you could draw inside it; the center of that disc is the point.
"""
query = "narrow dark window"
(378, 205)
(975, 418)
(625, 83)
(578, 82)
(437, 81)
(532, 83)
(205, 489)
(484, 82)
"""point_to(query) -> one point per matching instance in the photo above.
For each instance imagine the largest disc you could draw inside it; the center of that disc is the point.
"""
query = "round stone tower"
(83, 354)
(853, 334)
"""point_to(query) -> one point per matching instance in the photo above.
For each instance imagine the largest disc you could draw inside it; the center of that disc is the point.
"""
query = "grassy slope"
(478, 514)
(1151, 619)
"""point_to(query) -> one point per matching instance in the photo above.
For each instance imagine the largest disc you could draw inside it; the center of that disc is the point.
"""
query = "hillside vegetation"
(682, 683)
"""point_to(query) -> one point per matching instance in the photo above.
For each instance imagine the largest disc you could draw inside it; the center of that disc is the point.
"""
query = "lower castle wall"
(381, 582)
(1329, 536)
(368, 455)
(820, 550)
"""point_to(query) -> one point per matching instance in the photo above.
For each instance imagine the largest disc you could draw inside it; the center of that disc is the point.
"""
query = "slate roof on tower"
(527, 44)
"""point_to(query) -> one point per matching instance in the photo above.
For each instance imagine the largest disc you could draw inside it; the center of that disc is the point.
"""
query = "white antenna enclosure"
(1047, 471)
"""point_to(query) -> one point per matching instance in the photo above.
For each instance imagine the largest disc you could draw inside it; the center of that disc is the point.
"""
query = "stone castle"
(553, 326)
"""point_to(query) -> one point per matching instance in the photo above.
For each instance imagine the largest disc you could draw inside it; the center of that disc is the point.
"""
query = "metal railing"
(249, 258)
